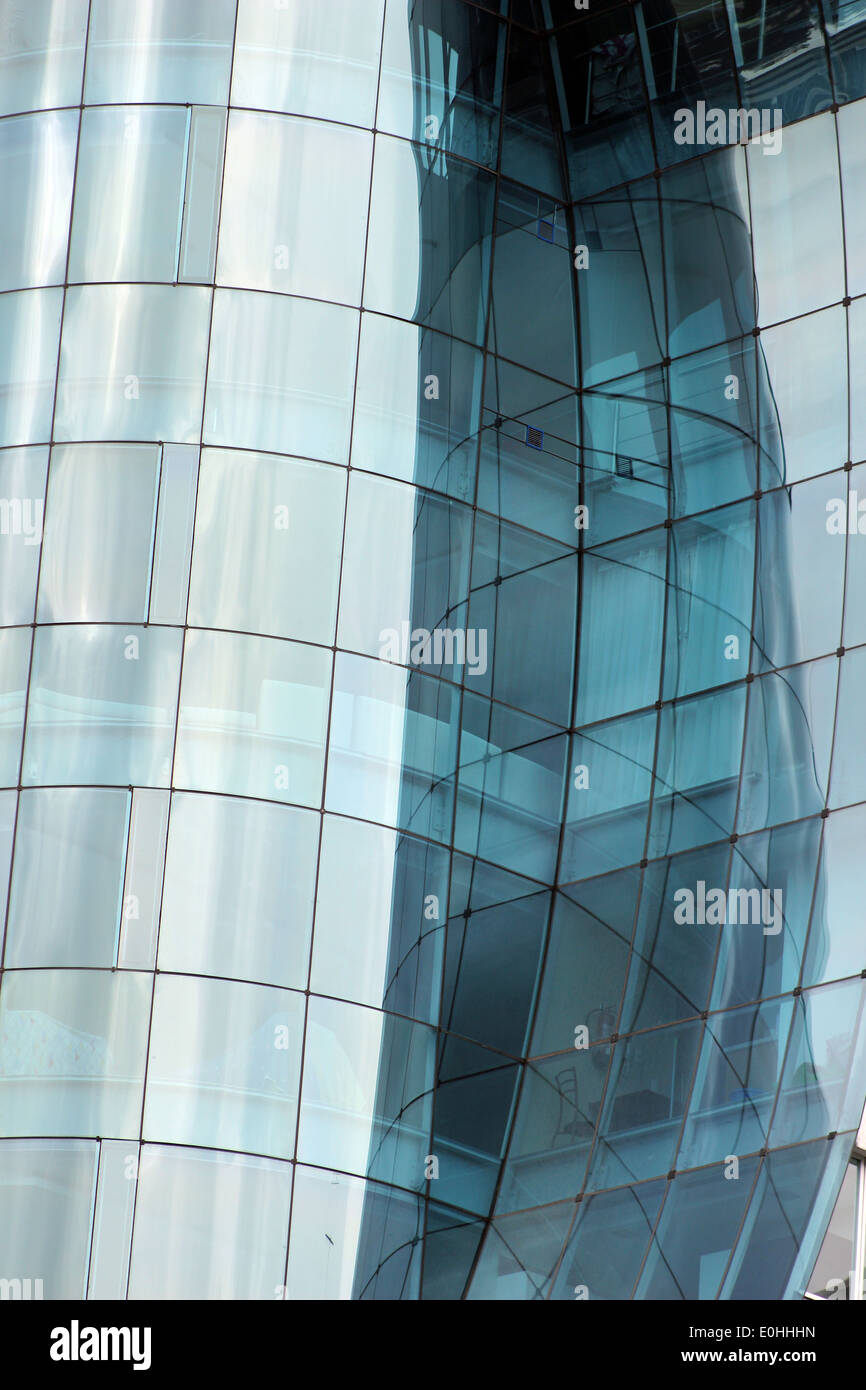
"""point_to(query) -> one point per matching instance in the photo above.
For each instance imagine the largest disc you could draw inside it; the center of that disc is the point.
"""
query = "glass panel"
(223, 1066)
(128, 194)
(98, 533)
(644, 1104)
(836, 946)
(788, 1190)
(532, 319)
(416, 406)
(825, 1069)
(112, 1219)
(831, 1277)
(253, 717)
(797, 221)
(132, 362)
(209, 1226)
(696, 1232)
(592, 921)
(538, 488)
(43, 55)
(14, 664)
(280, 375)
(673, 957)
(22, 507)
(405, 565)
(29, 333)
(172, 50)
(554, 1128)
(204, 177)
(735, 1085)
(847, 511)
(608, 1243)
(786, 759)
(238, 896)
(142, 889)
(520, 1254)
(174, 525)
(856, 367)
(340, 1206)
(394, 892)
(46, 1194)
(267, 545)
(393, 747)
(450, 89)
(446, 288)
(37, 159)
(761, 953)
(369, 1116)
(697, 771)
(72, 1051)
(523, 616)
(710, 286)
(318, 60)
(610, 777)
(709, 609)
(622, 234)
(714, 427)
(70, 850)
(848, 778)
(851, 123)
(295, 207)
(805, 361)
(620, 657)
(626, 455)
(102, 705)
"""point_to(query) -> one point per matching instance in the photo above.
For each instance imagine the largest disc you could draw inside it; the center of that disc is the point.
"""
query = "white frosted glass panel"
(281, 375)
(72, 1046)
(102, 705)
(29, 331)
(317, 60)
(238, 898)
(209, 1226)
(14, 664)
(353, 910)
(267, 545)
(165, 50)
(22, 510)
(128, 194)
(112, 1219)
(797, 221)
(46, 1196)
(295, 206)
(132, 362)
(173, 544)
(37, 159)
(224, 1062)
(142, 888)
(253, 717)
(203, 181)
(70, 847)
(42, 54)
(378, 567)
(98, 533)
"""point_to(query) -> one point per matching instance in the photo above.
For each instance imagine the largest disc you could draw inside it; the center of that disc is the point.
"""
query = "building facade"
(433, 771)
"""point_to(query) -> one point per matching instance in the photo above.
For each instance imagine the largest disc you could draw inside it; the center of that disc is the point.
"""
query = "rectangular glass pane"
(224, 1064)
(253, 717)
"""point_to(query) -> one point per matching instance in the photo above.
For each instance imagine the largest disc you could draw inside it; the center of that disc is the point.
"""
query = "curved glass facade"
(432, 781)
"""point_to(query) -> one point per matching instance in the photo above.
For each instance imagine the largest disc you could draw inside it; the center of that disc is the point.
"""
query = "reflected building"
(420, 586)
